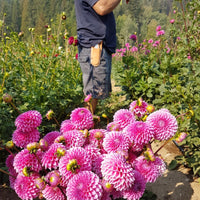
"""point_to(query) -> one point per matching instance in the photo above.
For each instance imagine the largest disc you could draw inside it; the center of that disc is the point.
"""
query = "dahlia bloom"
(75, 161)
(96, 137)
(161, 32)
(53, 178)
(151, 170)
(9, 164)
(158, 28)
(115, 141)
(133, 37)
(74, 138)
(84, 186)
(67, 125)
(139, 132)
(53, 193)
(138, 108)
(21, 139)
(96, 165)
(172, 21)
(134, 49)
(150, 41)
(71, 40)
(51, 157)
(51, 136)
(82, 118)
(137, 189)
(163, 123)
(11, 169)
(25, 187)
(123, 117)
(26, 159)
(28, 121)
(113, 126)
(117, 171)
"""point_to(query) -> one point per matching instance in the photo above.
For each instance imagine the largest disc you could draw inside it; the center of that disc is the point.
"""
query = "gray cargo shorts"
(96, 80)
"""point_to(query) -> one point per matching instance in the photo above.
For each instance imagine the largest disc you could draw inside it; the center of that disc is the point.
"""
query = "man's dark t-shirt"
(93, 28)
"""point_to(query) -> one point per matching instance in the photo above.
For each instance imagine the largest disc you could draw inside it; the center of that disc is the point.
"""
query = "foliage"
(41, 75)
(166, 73)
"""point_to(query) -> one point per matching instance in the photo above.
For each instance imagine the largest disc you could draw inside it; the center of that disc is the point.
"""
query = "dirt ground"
(175, 184)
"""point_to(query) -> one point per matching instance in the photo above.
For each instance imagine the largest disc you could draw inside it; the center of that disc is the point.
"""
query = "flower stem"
(56, 121)
(3, 171)
(13, 105)
(162, 146)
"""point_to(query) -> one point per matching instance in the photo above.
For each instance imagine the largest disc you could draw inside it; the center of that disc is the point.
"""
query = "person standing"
(96, 34)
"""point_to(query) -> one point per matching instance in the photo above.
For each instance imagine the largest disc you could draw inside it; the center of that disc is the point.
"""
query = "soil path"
(176, 184)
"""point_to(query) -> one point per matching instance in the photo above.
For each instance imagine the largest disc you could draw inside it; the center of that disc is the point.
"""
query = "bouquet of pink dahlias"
(79, 162)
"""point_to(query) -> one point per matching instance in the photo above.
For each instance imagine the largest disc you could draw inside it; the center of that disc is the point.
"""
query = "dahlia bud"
(7, 98)
(107, 186)
(33, 147)
(104, 115)
(54, 178)
(149, 155)
(26, 171)
(180, 137)
(60, 139)
(60, 152)
(190, 114)
(88, 98)
(72, 165)
(98, 135)
(9, 144)
(40, 183)
(43, 145)
(139, 102)
(21, 34)
(85, 133)
(150, 108)
(49, 114)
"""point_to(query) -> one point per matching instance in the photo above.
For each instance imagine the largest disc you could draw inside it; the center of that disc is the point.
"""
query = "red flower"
(71, 40)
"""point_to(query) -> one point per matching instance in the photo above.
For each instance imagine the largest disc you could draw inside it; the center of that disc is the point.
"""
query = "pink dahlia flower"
(151, 170)
(117, 171)
(138, 107)
(53, 178)
(11, 169)
(96, 165)
(25, 187)
(51, 136)
(28, 121)
(26, 159)
(9, 163)
(96, 137)
(74, 138)
(82, 118)
(21, 139)
(113, 126)
(92, 151)
(67, 125)
(123, 117)
(139, 132)
(53, 193)
(115, 141)
(163, 123)
(51, 157)
(158, 28)
(84, 186)
(75, 160)
(161, 32)
(136, 191)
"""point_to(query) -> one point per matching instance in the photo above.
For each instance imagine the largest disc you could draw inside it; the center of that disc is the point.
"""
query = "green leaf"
(173, 165)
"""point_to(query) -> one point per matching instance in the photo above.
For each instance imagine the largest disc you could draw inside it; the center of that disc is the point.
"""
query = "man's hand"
(103, 7)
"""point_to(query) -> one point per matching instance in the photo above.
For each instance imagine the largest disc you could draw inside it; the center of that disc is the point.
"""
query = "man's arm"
(103, 7)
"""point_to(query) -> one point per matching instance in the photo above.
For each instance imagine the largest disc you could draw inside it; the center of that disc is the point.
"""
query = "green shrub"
(168, 75)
